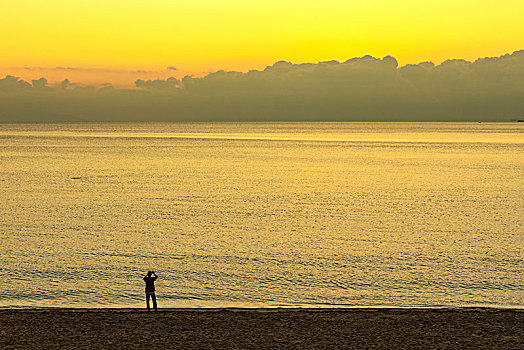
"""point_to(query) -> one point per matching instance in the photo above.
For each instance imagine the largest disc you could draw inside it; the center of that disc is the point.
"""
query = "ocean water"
(262, 214)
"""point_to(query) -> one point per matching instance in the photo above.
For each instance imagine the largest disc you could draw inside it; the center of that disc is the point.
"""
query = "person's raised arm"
(154, 274)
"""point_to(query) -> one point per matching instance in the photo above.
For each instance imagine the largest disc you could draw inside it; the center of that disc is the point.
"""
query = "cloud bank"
(359, 89)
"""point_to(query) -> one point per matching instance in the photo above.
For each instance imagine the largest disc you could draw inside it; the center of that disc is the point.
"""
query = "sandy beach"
(470, 328)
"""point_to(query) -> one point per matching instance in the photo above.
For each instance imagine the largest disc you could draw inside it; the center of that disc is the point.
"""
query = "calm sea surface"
(276, 214)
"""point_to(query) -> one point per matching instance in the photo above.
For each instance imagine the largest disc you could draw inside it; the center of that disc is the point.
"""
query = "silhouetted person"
(150, 279)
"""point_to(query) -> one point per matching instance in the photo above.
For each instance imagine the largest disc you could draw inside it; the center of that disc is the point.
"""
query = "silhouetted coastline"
(468, 328)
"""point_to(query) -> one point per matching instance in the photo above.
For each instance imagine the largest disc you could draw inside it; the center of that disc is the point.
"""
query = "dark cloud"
(13, 84)
(359, 89)
(40, 83)
(65, 84)
(169, 83)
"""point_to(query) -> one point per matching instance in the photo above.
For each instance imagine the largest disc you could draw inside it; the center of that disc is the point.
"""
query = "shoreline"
(269, 308)
(255, 307)
(357, 328)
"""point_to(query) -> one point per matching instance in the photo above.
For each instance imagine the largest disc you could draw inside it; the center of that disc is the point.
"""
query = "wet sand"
(472, 328)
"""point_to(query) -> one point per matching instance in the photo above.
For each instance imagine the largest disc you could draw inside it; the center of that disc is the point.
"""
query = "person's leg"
(153, 296)
(147, 300)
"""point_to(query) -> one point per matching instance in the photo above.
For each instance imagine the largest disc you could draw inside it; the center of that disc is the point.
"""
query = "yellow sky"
(201, 35)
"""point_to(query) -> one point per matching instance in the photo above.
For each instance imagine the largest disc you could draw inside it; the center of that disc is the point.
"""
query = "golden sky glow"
(199, 35)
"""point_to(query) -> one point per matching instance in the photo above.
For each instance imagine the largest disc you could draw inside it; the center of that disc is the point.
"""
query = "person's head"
(149, 273)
